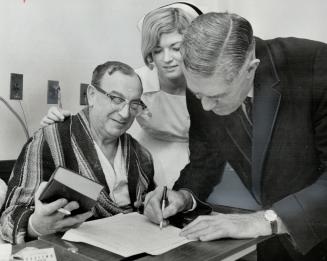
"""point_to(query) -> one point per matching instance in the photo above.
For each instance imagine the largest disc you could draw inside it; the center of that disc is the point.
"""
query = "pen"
(64, 211)
(163, 203)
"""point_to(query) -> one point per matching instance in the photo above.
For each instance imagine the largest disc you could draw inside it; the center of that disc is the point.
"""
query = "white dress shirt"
(116, 176)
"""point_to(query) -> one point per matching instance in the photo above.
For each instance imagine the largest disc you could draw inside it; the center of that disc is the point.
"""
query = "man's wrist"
(31, 230)
(271, 217)
(276, 224)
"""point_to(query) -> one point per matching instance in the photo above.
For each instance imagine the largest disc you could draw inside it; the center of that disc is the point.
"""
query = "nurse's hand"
(54, 115)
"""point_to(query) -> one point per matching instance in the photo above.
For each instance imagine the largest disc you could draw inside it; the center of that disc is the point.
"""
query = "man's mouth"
(119, 122)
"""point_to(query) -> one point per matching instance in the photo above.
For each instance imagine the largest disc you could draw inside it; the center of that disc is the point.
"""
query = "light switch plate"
(52, 97)
(16, 86)
(83, 94)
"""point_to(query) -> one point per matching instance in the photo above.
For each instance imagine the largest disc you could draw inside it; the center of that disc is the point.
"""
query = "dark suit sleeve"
(305, 213)
(206, 165)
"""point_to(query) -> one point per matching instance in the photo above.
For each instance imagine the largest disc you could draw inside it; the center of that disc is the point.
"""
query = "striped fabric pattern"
(69, 144)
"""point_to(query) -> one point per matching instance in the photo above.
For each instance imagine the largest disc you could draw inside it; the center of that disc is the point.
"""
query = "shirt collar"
(250, 94)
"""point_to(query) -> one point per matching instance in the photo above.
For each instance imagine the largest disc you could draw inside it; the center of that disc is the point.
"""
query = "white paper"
(127, 235)
(35, 254)
(5, 252)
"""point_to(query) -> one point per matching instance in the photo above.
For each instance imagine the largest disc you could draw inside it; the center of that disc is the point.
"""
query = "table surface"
(223, 249)
(213, 250)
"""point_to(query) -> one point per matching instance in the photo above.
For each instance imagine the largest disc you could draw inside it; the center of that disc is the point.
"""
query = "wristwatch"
(271, 217)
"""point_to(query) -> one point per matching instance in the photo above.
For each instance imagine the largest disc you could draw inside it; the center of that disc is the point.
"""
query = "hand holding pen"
(160, 205)
(164, 202)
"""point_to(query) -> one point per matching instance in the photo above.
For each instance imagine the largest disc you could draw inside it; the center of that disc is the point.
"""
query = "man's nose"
(124, 111)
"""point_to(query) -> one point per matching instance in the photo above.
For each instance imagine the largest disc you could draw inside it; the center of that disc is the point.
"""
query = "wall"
(280, 18)
(61, 40)
(64, 40)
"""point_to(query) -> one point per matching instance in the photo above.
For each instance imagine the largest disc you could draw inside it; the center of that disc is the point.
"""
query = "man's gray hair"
(109, 68)
(217, 43)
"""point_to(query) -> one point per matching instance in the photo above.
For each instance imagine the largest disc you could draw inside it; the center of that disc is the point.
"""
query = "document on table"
(127, 235)
(5, 252)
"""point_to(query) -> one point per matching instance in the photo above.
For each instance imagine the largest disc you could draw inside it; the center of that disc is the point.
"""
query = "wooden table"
(227, 250)
(223, 249)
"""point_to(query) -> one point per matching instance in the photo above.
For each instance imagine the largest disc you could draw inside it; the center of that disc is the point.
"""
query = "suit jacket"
(69, 144)
(283, 164)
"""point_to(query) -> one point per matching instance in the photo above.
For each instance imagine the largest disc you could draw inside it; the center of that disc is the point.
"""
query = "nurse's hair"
(217, 43)
(160, 21)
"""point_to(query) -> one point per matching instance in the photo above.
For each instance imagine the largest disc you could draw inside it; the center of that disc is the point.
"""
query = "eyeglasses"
(136, 107)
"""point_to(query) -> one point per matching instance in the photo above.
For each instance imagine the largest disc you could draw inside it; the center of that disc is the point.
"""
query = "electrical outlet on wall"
(52, 92)
(83, 94)
(16, 86)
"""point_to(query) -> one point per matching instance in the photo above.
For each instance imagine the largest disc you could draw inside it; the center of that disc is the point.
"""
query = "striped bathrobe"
(69, 144)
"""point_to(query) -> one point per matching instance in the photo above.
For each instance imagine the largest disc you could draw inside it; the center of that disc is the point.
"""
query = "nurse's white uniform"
(165, 132)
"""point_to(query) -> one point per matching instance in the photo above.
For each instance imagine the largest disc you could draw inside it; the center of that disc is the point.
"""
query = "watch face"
(270, 215)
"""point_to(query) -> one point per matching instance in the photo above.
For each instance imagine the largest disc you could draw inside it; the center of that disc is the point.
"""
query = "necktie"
(248, 108)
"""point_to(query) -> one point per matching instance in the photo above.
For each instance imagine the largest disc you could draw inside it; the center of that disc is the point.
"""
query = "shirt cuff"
(30, 225)
(194, 205)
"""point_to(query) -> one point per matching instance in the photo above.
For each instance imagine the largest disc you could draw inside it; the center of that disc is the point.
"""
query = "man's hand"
(47, 220)
(177, 201)
(54, 115)
(206, 228)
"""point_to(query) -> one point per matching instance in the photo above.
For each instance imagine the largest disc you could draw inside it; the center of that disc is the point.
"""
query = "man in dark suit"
(278, 148)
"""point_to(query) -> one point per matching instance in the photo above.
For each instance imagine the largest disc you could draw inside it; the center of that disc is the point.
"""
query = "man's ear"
(252, 67)
(90, 95)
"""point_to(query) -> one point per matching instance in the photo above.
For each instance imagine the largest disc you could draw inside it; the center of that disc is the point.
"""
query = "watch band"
(271, 216)
(273, 225)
